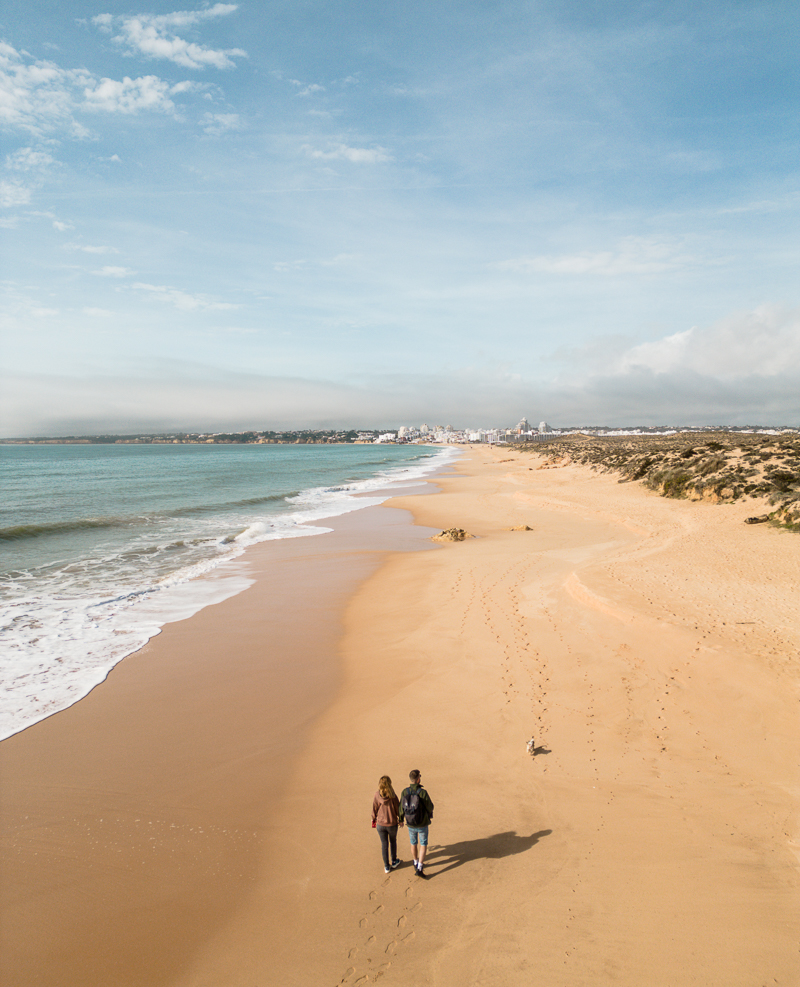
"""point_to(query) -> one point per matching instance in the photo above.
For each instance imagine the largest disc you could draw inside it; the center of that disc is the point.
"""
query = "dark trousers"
(388, 835)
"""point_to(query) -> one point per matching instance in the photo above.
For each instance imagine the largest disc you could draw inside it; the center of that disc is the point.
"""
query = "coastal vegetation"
(717, 467)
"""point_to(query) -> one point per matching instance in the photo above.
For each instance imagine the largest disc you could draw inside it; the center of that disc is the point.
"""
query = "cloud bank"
(742, 370)
(763, 343)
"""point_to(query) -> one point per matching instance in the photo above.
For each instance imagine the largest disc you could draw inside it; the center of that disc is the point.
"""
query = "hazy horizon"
(235, 216)
(392, 426)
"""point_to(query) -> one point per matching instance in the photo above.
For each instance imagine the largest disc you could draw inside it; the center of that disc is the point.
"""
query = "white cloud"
(87, 249)
(633, 255)
(40, 97)
(308, 90)
(43, 313)
(33, 165)
(98, 313)
(61, 227)
(153, 35)
(358, 155)
(218, 123)
(114, 272)
(182, 300)
(14, 194)
(26, 159)
(764, 342)
(36, 95)
(132, 95)
(743, 369)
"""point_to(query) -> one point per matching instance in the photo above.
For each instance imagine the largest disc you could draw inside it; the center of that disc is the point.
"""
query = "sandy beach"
(203, 818)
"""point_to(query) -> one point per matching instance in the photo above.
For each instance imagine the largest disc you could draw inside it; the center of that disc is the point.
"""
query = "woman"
(385, 807)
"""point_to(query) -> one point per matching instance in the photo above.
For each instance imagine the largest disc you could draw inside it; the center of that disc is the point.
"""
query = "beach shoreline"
(93, 570)
(132, 819)
(650, 647)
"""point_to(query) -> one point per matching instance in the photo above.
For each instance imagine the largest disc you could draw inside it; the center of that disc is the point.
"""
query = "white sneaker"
(387, 870)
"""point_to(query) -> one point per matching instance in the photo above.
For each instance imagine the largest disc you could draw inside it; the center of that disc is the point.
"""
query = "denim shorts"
(418, 833)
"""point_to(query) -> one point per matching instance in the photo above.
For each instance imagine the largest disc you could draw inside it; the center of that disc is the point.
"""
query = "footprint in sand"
(381, 970)
(370, 941)
(373, 895)
(362, 923)
(348, 973)
(409, 892)
(378, 910)
(352, 954)
(409, 937)
(390, 949)
(401, 922)
(416, 908)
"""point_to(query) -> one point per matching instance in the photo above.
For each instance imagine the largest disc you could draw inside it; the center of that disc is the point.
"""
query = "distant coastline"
(425, 435)
(300, 437)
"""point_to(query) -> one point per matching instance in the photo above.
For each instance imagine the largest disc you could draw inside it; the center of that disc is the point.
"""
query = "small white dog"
(531, 747)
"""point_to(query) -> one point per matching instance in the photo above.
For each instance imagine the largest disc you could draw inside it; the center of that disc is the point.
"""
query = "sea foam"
(65, 626)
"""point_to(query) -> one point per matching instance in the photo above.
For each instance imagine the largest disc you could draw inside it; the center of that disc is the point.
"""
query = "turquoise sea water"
(100, 545)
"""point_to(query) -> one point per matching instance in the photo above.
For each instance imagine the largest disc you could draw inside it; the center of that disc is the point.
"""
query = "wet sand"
(651, 647)
(134, 822)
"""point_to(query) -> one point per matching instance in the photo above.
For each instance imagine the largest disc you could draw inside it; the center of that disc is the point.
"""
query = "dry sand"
(650, 646)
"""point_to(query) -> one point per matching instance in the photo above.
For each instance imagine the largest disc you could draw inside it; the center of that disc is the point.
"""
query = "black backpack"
(413, 807)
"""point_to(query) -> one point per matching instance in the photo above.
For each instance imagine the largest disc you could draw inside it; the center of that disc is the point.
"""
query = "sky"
(305, 214)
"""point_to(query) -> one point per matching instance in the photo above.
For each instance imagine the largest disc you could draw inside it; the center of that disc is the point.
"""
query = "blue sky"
(305, 213)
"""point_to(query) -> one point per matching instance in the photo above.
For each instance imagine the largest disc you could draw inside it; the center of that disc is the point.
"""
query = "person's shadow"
(499, 845)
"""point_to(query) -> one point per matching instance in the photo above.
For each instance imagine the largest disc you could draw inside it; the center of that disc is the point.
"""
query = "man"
(416, 810)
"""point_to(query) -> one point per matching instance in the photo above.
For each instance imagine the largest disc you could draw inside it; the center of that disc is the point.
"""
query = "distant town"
(423, 434)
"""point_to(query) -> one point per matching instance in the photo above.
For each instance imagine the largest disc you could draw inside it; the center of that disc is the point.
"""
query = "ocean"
(101, 545)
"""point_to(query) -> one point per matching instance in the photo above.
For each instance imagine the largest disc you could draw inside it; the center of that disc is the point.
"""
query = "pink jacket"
(384, 810)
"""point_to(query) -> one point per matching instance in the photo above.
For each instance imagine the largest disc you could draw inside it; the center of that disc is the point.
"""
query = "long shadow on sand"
(445, 858)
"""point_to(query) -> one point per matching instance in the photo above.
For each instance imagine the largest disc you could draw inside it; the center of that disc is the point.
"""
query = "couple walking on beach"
(414, 809)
